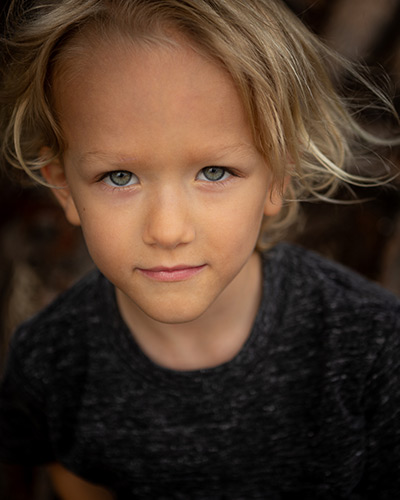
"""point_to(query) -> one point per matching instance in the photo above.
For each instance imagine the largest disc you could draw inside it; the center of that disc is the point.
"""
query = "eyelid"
(111, 184)
(229, 171)
(228, 174)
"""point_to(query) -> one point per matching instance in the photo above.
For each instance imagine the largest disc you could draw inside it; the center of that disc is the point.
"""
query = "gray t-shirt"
(309, 408)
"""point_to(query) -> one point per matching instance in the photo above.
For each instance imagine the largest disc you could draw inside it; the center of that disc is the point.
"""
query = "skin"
(161, 116)
(156, 119)
(71, 487)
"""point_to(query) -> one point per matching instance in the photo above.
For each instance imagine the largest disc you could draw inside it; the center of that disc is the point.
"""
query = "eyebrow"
(106, 155)
(121, 158)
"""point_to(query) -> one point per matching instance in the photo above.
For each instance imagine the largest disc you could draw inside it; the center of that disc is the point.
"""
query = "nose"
(168, 221)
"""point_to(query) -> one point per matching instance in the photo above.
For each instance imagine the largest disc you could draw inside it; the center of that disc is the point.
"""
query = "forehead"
(124, 86)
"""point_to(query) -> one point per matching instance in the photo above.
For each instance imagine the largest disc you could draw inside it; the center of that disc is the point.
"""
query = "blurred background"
(41, 254)
(365, 237)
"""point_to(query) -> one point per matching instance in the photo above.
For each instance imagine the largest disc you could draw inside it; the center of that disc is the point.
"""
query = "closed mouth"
(176, 273)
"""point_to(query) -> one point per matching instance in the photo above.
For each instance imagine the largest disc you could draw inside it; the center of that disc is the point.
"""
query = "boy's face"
(163, 176)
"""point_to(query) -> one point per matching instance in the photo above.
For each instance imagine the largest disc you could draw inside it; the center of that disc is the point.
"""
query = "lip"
(177, 273)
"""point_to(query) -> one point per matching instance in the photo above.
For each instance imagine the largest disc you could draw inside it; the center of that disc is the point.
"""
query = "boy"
(191, 365)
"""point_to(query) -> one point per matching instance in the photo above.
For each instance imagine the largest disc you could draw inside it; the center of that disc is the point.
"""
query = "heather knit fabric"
(309, 408)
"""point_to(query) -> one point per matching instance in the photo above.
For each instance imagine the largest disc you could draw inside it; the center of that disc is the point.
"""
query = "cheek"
(238, 228)
(103, 234)
(248, 211)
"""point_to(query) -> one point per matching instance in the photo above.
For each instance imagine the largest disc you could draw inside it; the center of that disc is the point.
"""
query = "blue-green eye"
(214, 174)
(120, 178)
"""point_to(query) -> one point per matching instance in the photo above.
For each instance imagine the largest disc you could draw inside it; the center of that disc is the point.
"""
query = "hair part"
(282, 72)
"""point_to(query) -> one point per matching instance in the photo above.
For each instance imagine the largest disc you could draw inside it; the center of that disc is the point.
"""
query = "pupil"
(214, 173)
(120, 178)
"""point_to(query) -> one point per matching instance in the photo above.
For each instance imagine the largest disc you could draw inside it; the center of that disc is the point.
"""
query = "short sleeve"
(23, 426)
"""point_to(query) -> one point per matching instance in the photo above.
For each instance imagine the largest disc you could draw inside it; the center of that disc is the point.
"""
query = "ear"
(274, 200)
(54, 173)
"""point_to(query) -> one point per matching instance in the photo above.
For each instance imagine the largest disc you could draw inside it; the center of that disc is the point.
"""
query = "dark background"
(41, 254)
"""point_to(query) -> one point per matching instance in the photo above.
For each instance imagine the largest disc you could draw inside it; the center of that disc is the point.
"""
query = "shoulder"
(309, 274)
(319, 299)
(72, 307)
(57, 335)
(330, 318)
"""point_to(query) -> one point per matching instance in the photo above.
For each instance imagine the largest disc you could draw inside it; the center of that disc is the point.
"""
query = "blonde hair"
(282, 72)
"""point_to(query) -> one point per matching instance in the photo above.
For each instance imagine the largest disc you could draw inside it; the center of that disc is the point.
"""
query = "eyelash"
(116, 186)
(217, 181)
(222, 181)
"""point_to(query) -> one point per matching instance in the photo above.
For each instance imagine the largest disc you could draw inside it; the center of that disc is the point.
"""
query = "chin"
(173, 312)
(167, 309)
(176, 318)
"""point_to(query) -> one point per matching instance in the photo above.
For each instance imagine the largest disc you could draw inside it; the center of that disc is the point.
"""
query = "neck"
(213, 338)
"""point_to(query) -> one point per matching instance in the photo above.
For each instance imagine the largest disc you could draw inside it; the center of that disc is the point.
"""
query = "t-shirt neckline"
(130, 353)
